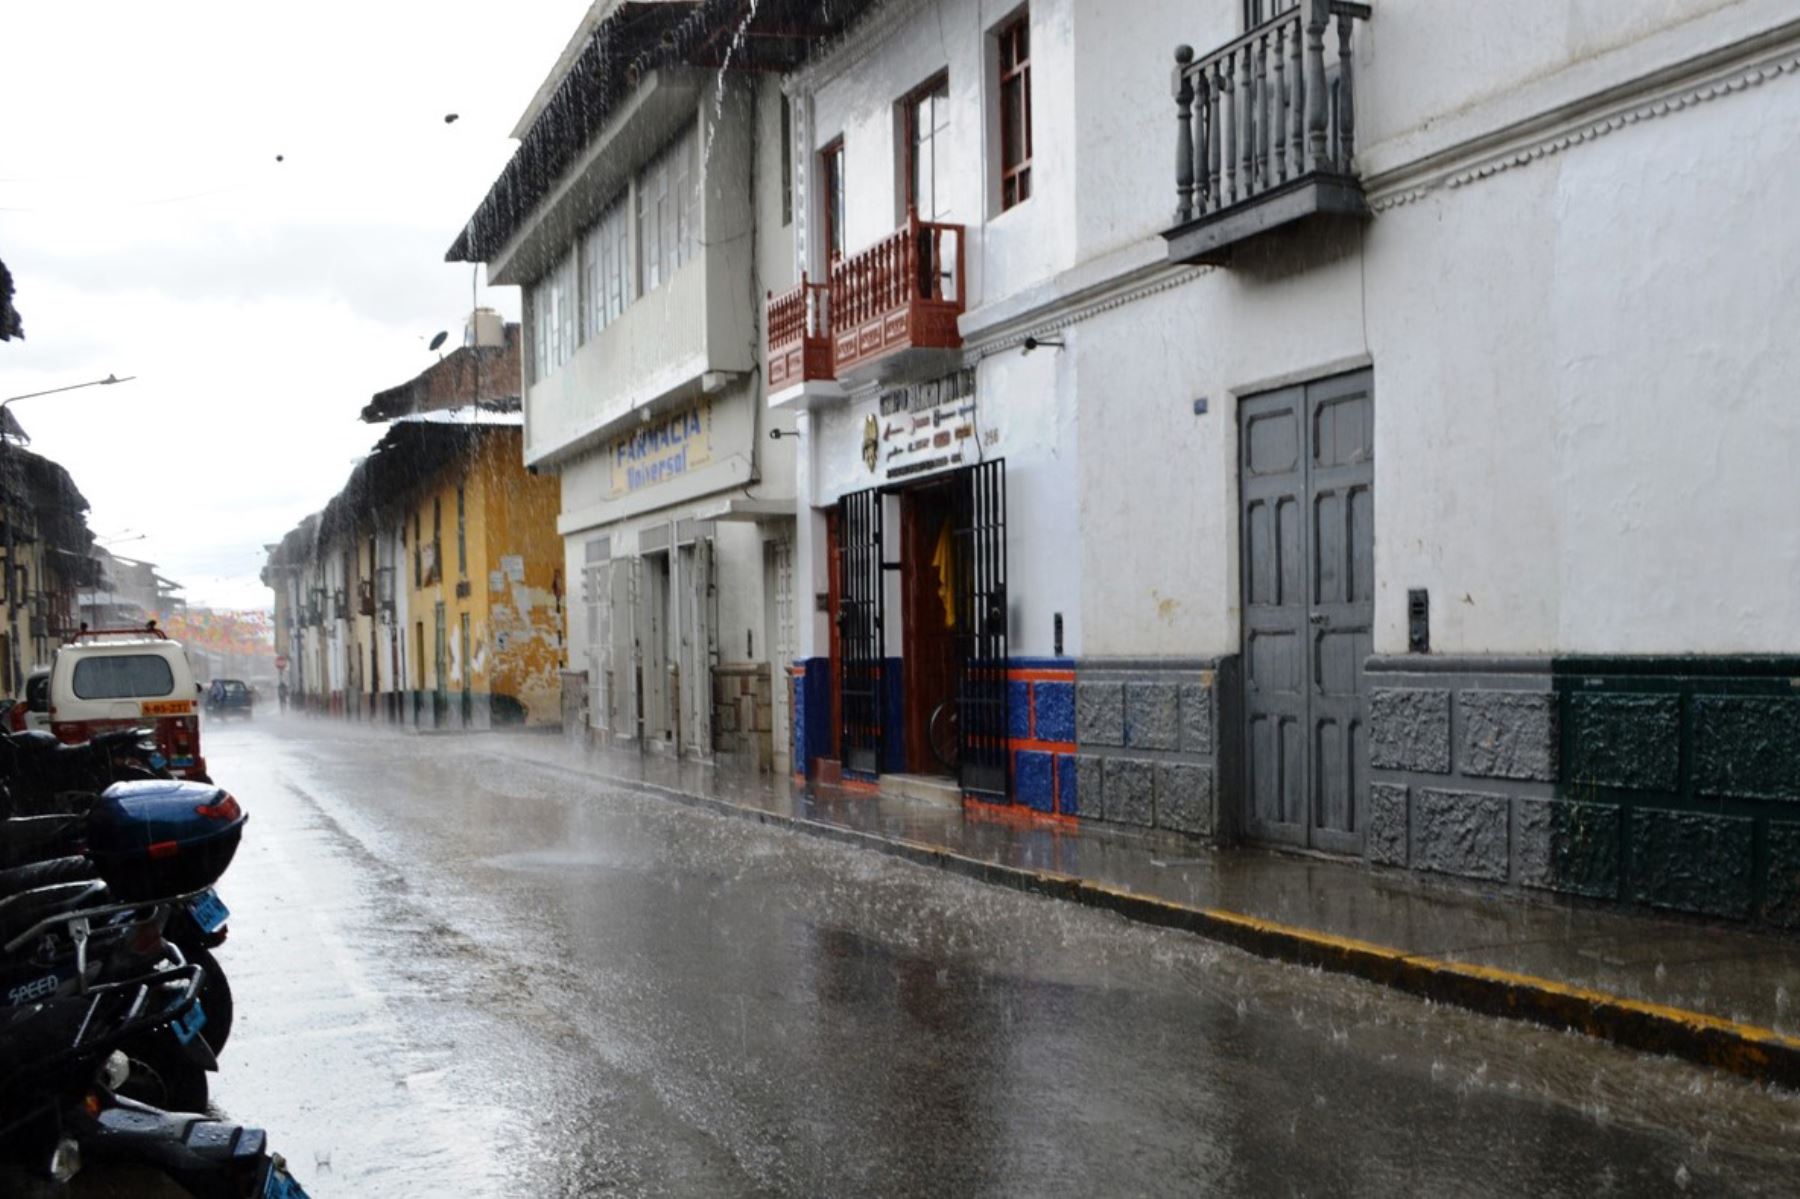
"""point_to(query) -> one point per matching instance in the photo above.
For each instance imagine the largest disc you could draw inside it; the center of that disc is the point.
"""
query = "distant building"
(46, 546)
(127, 592)
(429, 591)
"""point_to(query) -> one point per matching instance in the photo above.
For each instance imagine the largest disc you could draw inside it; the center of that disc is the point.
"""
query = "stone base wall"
(1670, 782)
(422, 710)
(743, 716)
(1150, 749)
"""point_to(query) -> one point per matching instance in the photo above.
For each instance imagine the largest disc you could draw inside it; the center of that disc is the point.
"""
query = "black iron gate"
(978, 531)
(860, 629)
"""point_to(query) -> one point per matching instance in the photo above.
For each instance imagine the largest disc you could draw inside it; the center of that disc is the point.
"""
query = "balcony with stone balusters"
(1266, 132)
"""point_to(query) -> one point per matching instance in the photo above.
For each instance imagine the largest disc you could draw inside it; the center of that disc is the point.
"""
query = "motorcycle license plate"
(209, 911)
(279, 1184)
(188, 1027)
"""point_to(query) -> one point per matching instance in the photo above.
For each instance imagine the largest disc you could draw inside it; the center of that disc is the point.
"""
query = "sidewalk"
(1716, 994)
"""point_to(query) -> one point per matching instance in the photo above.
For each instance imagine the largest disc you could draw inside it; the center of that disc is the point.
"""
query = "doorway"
(440, 694)
(954, 615)
(779, 635)
(1306, 486)
(657, 652)
(931, 663)
(464, 661)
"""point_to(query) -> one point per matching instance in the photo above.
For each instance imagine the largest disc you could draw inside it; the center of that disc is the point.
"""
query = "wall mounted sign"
(928, 426)
(668, 447)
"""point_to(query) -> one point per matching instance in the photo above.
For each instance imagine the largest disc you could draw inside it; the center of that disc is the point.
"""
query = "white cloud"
(151, 232)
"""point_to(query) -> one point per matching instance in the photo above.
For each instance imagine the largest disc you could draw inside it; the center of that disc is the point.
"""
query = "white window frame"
(606, 275)
(667, 211)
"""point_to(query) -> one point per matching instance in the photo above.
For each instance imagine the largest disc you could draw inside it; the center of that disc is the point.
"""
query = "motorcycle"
(61, 1064)
(128, 919)
(90, 981)
(45, 776)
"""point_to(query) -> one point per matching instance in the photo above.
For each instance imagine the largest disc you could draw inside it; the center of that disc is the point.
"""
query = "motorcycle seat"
(48, 873)
(19, 911)
(29, 838)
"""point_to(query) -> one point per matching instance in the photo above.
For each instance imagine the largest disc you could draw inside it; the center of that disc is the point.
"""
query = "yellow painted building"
(485, 567)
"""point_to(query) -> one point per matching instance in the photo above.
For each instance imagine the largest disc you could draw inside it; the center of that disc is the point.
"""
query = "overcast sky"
(151, 232)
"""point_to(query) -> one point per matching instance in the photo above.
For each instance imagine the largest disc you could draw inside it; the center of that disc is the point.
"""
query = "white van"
(128, 678)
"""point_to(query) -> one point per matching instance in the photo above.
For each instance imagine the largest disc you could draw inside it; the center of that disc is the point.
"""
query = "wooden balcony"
(1266, 132)
(888, 312)
(799, 330)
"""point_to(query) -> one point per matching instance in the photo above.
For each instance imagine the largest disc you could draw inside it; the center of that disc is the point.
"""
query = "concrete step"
(938, 790)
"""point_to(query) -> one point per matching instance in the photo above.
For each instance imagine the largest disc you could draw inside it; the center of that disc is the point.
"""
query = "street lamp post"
(13, 666)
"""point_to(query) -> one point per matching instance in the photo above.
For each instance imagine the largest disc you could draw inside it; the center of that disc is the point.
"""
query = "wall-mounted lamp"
(1032, 343)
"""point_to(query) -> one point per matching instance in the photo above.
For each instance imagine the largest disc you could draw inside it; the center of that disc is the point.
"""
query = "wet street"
(460, 972)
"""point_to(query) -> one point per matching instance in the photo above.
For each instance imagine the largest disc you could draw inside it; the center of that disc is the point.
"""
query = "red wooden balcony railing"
(799, 328)
(903, 292)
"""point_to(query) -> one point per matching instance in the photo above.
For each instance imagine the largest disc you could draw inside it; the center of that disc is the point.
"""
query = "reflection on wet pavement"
(458, 973)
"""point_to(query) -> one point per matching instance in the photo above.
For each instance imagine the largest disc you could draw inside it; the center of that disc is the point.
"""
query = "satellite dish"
(437, 341)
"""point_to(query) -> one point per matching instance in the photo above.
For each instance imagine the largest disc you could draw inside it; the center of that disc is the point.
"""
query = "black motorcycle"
(45, 776)
(125, 901)
(61, 1063)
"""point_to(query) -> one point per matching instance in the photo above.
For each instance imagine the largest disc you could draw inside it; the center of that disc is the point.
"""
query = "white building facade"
(1353, 471)
(642, 265)
(1353, 428)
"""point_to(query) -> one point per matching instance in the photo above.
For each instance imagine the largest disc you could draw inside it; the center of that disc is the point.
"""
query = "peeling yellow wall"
(524, 554)
(514, 645)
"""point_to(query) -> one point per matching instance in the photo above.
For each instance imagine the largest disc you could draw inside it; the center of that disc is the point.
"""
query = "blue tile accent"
(797, 721)
(1034, 780)
(1040, 663)
(1056, 711)
(1018, 709)
(812, 714)
(1065, 784)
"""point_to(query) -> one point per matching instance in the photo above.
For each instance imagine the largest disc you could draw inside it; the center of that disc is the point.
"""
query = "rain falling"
(889, 597)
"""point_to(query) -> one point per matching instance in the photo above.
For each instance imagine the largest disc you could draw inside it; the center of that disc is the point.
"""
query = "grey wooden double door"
(1306, 483)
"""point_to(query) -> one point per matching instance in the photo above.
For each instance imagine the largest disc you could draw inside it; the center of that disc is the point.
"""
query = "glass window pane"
(1009, 123)
(123, 676)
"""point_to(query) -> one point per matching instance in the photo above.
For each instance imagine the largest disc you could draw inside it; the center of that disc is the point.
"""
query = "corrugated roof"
(635, 38)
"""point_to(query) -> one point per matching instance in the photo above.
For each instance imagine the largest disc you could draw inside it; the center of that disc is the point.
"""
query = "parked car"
(32, 713)
(129, 678)
(230, 697)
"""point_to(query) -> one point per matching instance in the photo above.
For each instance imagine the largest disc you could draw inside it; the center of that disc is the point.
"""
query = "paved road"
(462, 973)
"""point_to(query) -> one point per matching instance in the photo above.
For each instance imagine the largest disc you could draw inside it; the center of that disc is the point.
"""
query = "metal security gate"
(1307, 493)
(778, 583)
(860, 629)
(978, 532)
(699, 646)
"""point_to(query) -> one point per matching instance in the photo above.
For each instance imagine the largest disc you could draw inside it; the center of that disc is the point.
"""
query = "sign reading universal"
(666, 448)
(928, 426)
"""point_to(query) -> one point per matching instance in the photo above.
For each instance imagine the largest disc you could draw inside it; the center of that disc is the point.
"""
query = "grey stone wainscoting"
(1671, 782)
(1154, 748)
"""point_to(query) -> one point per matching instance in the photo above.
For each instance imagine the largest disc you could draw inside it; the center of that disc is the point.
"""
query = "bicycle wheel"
(941, 731)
